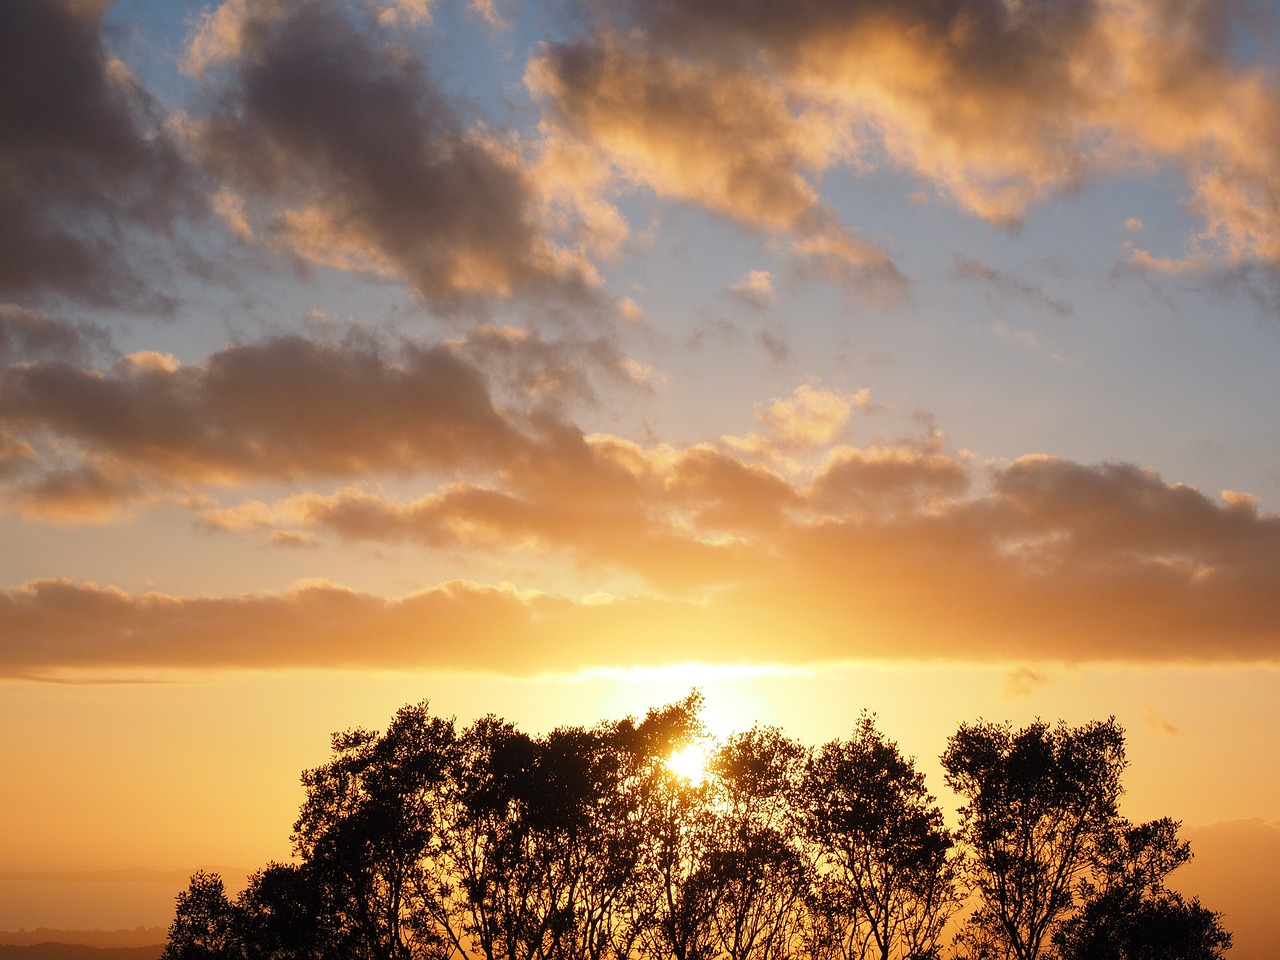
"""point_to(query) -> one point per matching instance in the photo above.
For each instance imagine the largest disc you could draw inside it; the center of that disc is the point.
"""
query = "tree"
(560, 843)
(1128, 914)
(1037, 801)
(205, 922)
(554, 841)
(886, 883)
(755, 874)
(280, 915)
(423, 843)
(366, 828)
(673, 904)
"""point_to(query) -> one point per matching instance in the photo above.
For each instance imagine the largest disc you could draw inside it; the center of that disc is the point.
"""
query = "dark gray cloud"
(281, 409)
(28, 335)
(336, 144)
(85, 163)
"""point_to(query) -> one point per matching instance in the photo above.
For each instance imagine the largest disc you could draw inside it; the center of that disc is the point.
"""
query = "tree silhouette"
(886, 883)
(426, 842)
(558, 829)
(205, 922)
(1037, 801)
(281, 916)
(673, 905)
(1128, 913)
(756, 875)
(365, 830)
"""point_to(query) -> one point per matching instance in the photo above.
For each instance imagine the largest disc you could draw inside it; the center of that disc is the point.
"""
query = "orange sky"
(550, 359)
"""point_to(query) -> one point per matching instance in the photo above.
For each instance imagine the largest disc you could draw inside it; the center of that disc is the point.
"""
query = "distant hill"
(78, 951)
(104, 944)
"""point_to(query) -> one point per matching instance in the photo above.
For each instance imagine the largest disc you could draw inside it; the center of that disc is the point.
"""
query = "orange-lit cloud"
(671, 124)
(880, 551)
(1056, 561)
(755, 289)
(873, 550)
(719, 135)
(997, 104)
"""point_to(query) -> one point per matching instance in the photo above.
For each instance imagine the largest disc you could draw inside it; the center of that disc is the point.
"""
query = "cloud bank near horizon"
(787, 544)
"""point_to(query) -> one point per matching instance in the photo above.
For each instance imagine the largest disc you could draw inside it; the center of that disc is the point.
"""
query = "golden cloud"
(723, 136)
(1055, 561)
(998, 105)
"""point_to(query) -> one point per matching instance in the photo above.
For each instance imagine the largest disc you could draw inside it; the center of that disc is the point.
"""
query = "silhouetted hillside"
(98, 939)
(78, 951)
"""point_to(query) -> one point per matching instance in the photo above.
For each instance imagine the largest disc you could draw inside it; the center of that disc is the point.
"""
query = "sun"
(690, 763)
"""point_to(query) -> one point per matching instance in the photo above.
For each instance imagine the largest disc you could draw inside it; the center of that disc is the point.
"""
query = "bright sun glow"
(690, 763)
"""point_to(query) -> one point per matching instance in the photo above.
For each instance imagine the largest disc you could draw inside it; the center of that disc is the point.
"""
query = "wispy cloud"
(1007, 284)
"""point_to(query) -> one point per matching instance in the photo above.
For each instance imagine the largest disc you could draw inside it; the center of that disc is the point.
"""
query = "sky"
(551, 358)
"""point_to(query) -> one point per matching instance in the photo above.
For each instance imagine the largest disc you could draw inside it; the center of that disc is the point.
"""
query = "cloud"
(481, 520)
(1055, 561)
(883, 552)
(55, 623)
(527, 367)
(280, 409)
(1159, 723)
(81, 493)
(29, 335)
(15, 454)
(667, 123)
(1006, 284)
(79, 441)
(52, 628)
(1027, 339)
(86, 162)
(755, 289)
(335, 143)
(811, 418)
(789, 545)
(720, 135)
(1024, 681)
(884, 481)
(998, 105)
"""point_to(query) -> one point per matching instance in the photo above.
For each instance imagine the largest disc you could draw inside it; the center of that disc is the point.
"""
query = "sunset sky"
(551, 358)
